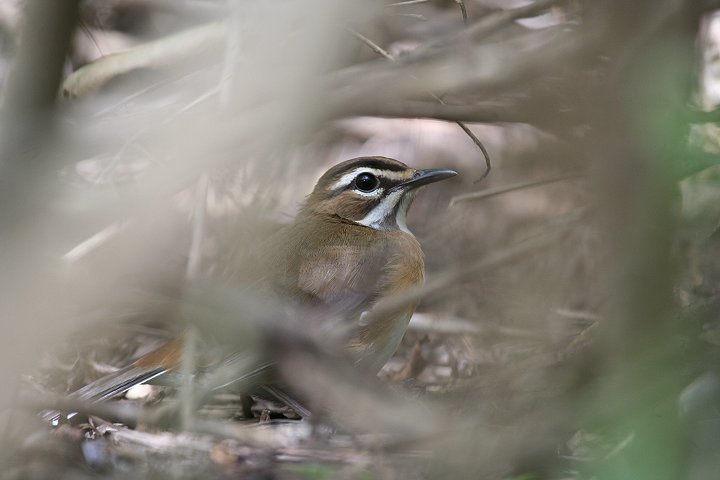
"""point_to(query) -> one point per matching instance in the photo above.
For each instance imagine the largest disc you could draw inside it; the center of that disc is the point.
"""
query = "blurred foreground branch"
(26, 190)
(158, 53)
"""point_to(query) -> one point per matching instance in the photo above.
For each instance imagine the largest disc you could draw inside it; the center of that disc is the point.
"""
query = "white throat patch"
(378, 217)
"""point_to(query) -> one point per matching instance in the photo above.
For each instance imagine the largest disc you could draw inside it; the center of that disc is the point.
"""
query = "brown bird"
(347, 251)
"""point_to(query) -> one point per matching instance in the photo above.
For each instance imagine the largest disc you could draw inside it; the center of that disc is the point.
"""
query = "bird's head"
(372, 191)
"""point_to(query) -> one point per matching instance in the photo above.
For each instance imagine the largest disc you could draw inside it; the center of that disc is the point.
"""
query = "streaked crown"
(372, 191)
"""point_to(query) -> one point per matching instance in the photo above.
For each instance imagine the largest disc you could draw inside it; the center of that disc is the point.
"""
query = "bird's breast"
(345, 271)
(383, 325)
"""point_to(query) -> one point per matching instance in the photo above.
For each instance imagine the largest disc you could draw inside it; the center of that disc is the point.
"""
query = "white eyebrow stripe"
(348, 178)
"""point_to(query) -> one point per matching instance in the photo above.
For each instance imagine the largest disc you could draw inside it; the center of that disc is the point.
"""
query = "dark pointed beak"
(431, 175)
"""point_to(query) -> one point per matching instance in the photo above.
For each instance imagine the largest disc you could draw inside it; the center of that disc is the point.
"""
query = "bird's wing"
(349, 279)
(337, 275)
(344, 280)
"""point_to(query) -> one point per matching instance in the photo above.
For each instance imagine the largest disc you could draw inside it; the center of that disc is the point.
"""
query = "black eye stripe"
(385, 183)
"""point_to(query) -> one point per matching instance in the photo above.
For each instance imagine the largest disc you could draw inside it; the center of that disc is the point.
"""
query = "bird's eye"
(366, 182)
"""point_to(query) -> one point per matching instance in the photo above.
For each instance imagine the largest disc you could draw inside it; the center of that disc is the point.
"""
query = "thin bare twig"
(463, 10)
(195, 254)
(83, 26)
(372, 45)
(582, 338)
(578, 314)
(491, 192)
(384, 53)
(416, 16)
(482, 148)
(94, 242)
(406, 3)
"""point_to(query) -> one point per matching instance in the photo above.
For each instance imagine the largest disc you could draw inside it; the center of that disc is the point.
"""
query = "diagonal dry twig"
(491, 192)
(380, 51)
(463, 11)
(92, 76)
(406, 3)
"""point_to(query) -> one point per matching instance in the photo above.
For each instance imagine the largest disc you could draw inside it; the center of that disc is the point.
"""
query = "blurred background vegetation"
(571, 324)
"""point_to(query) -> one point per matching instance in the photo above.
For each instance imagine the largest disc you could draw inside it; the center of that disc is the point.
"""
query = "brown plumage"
(347, 249)
(345, 274)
